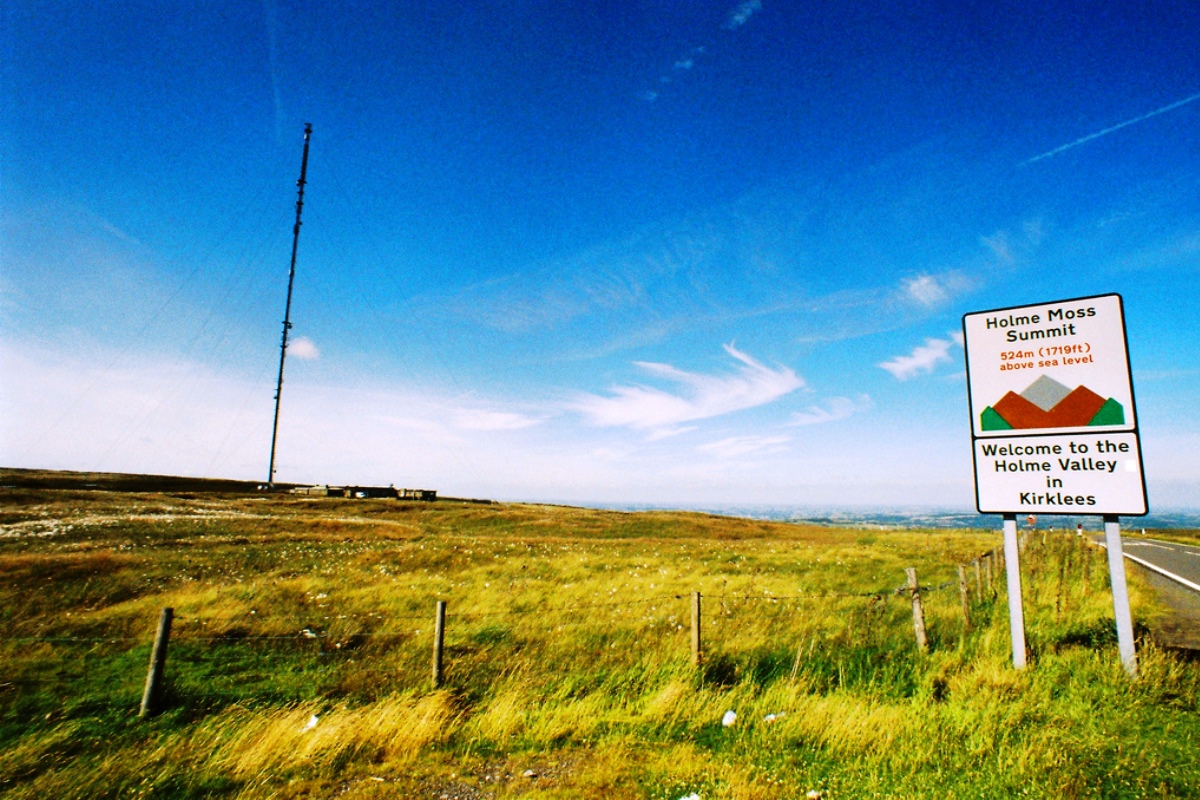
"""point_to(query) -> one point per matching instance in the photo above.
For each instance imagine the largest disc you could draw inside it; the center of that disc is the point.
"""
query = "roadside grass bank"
(299, 662)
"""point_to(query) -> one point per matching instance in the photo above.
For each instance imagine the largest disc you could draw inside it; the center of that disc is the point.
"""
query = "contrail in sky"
(1116, 127)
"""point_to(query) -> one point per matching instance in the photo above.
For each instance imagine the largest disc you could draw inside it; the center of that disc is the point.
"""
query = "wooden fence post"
(978, 583)
(697, 651)
(439, 639)
(965, 594)
(158, 663)
(1060, 589)
(918, 611)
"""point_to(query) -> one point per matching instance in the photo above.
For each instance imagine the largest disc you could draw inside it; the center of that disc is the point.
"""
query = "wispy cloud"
(927, 290)
(1183, 248)
(697, 397)
(834, 409)
(271, 14)
(738, 446)
(117, 233)
(177, 417)
(678, 276)
(1111, 129)
(923, 359)
(853, 313)
(1164, 374)
(304, 349)
(742, 13)
(738, 16)
(1011, 248)
(481, 419)
(1000, 246)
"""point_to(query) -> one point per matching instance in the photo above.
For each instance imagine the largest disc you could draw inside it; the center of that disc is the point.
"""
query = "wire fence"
(238, 652)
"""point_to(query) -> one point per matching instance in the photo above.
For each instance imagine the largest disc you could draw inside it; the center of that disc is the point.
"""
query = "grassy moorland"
(299, 662)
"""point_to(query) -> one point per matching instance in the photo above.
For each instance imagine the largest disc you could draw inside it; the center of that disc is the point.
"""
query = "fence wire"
(341, 647)
(183, 625)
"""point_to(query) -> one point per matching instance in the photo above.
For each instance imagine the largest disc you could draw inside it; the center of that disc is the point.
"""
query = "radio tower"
(287, 312)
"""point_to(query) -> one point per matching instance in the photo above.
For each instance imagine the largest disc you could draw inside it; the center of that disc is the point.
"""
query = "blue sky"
(645, 252)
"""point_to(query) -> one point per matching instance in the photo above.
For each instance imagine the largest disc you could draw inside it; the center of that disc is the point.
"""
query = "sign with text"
(1053, 423)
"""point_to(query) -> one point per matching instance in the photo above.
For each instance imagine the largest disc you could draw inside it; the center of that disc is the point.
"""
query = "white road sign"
(1053, 423)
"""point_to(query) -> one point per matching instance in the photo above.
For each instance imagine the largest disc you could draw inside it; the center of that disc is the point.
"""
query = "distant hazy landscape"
(923, 517)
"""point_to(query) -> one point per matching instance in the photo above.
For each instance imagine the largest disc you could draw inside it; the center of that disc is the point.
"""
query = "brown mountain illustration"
(1020, 413)
(1075, 410)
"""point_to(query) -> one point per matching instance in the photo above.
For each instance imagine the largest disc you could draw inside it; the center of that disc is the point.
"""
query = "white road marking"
(1153, 567)
(1194, 587)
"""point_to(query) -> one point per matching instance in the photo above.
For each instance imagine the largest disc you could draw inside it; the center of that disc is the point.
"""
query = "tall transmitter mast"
(287, 312)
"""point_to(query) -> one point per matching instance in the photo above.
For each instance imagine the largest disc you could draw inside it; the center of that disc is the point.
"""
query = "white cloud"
(666, 433)
(834, 409)
(1010, 249)
(479, 419)
(144, 414)
(303, 348)
(737, 446)
(740, 15)
(65, 409)
(926, 290)
(685, 63)
(699, 396)
(612, 454)
(1000, 246)
(1034, 231)
(930, 292)
(923, 359)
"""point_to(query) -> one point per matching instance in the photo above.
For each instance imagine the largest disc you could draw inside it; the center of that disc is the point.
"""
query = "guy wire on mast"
(287, 312)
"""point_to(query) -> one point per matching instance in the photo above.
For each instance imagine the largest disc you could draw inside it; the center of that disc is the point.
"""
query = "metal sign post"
(1016, 612)
(1120, 594)
(1054, 429)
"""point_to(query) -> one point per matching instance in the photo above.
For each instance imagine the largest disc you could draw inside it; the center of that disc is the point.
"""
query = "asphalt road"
(1179, 562)
(1173, 572)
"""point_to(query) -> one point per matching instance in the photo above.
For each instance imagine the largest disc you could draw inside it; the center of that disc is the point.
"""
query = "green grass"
(567, 653)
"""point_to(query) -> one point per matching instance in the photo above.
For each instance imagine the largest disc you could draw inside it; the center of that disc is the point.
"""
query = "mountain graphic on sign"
(1046, 403)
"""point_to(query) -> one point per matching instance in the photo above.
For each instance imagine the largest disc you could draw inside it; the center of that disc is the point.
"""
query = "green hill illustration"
(1046, 403)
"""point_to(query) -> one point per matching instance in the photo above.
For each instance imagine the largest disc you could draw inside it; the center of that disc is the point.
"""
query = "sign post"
(1116, 571)
(1054, 428)
(1012, 569)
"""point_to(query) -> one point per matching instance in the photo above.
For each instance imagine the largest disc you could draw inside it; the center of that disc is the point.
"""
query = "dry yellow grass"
(567, 655)
(393, 730)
